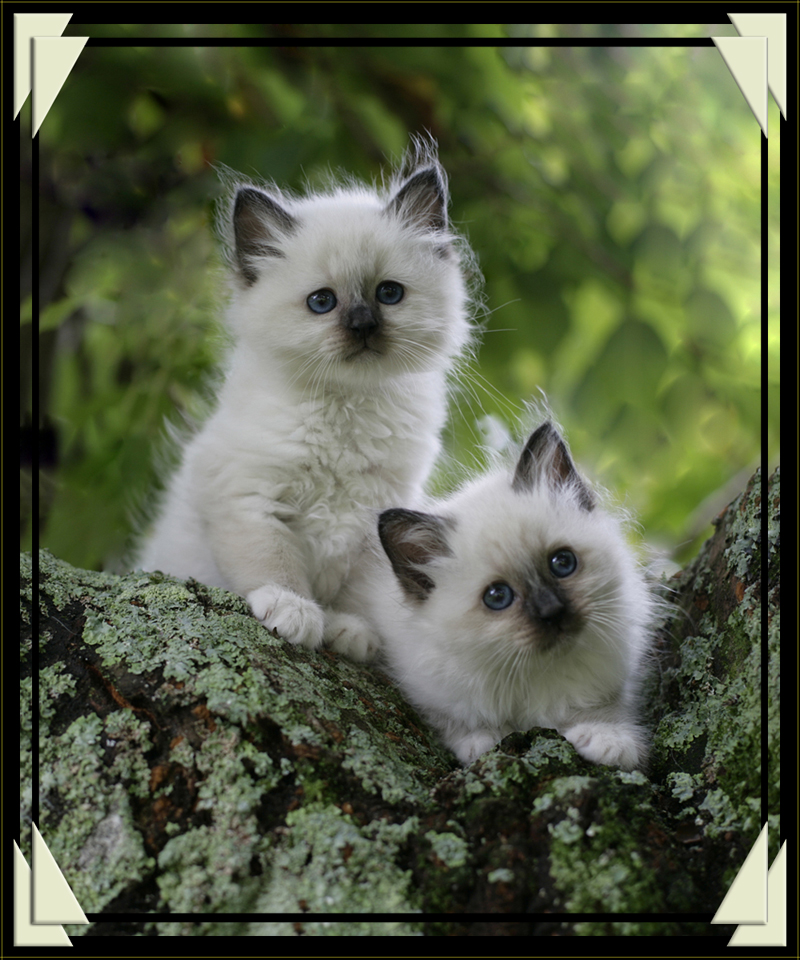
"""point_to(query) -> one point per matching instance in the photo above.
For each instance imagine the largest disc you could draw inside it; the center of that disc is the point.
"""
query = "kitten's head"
(351, 286)
(523, 578)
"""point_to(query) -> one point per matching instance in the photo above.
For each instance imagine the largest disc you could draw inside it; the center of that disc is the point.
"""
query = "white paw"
(351, 635)
(287, 614)
(616, 745)
(473, 744)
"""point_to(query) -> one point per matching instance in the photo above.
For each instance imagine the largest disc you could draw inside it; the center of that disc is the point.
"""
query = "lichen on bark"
(189, 763)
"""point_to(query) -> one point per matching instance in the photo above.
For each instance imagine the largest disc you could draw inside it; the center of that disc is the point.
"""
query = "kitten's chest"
(353, 461)
(351, 455)
(343, 440)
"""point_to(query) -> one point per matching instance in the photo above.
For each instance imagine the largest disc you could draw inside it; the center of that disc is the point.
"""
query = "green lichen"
(596, 856)
(326, 864)
(26, 766)
(193, 763)
(388, 775)
(214, 654)
(501, 875)
(493, 775)
(273, 928)
(450, 848)
(101, 850)
(683, 785)
(207, 869)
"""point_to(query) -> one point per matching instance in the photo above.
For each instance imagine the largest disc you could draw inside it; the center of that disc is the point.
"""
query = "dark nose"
(361, 321)
(544, 605)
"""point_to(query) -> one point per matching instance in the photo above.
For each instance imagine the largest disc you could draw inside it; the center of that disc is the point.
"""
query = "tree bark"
(197, 777)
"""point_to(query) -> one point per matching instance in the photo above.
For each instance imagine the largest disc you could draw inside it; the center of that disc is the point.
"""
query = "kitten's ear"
(411, 540)
(258, 224)
(546, 456)
(422, 200)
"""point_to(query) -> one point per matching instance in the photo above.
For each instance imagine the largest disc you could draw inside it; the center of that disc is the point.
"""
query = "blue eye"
(389, 292)
(563, 563)
(321, 301)
(498, 596)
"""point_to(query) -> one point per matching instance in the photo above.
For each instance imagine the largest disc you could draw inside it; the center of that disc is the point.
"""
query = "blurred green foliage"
(612, 194)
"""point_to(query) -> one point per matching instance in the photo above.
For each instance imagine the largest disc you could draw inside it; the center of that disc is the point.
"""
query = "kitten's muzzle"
(544, 604)
(551, 616)
(364, 329)
(361, 322)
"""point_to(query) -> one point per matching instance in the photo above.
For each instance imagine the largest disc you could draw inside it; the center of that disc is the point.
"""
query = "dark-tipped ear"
(534, 455)
(258, 224)
(422, 200)
(545, 456)
(411, 540)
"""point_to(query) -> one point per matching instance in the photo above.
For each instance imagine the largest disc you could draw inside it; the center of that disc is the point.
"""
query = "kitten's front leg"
(265, 562)
(286, 613)
(469, 746)
(617, 744)
(351, 635)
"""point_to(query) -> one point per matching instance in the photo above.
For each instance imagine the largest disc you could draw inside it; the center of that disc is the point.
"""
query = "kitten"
(349, 310)
(515, 603)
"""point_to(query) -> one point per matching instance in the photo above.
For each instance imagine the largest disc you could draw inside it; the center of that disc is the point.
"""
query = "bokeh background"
(610, 190)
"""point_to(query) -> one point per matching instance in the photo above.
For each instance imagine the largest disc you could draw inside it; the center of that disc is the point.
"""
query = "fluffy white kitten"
(515, 603)
(349, 309)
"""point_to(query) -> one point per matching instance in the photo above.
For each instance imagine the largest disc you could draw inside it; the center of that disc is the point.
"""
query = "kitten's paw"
(616, 745)
(287, 614)
(351, 635)
(473, 744)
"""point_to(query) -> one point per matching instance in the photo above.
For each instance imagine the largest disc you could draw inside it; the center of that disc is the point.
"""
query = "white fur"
(274, 496)
(478, 674)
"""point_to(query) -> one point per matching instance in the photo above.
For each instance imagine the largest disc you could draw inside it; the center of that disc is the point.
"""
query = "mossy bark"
(198, 777)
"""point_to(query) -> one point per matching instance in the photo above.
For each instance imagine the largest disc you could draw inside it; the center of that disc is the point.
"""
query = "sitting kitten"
(515, 603)
(349, 310)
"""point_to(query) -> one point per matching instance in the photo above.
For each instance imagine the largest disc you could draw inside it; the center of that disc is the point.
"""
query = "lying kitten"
(516, 603)
(349, 309)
